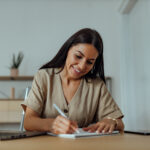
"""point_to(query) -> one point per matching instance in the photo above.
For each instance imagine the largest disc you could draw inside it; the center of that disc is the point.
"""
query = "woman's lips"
(76, 70)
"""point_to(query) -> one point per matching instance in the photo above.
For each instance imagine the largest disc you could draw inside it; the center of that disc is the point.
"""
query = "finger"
(68, 122)
(86, 128)
(62, 129)
(63, 121)
(106, 129)
(59, 125)
(71, 125)
(59, 119)
(74, 125)
(67, 130)
(91, 128)
(56, 126)
(111, 128)
(100, 128)
(67, 125)
(56, 129)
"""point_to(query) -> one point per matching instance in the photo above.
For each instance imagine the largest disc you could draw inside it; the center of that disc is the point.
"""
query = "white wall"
(135, 72)
(39, 28)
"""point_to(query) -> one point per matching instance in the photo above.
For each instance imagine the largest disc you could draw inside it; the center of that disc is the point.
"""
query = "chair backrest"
(23, 113)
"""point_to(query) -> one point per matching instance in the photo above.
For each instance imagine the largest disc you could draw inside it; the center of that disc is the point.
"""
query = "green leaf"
(16, 61)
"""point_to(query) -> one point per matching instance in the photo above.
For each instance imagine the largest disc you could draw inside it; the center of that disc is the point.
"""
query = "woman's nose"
(82, 65)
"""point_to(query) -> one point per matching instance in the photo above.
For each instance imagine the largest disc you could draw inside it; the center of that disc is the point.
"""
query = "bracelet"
(116, 124)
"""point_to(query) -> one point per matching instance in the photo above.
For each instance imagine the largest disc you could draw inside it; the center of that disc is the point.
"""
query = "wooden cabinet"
(10, 110)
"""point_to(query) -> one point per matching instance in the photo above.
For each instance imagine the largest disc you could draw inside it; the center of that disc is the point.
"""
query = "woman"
(73, 80)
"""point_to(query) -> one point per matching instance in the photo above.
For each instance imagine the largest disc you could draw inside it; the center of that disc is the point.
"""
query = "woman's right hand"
(62, 125)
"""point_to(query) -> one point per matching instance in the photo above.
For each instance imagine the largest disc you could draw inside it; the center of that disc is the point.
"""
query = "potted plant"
(16, 61)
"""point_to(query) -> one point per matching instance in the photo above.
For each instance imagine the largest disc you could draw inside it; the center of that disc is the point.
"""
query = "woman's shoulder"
(95, 82)
(46, 72)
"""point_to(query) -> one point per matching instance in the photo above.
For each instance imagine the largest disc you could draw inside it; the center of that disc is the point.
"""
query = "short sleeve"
(107, 107)
(36, 97)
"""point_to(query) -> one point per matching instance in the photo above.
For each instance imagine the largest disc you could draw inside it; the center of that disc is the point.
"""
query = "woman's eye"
(79, 57)
(89, 62)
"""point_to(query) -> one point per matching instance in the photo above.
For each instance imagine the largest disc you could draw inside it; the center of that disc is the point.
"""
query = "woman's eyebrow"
(84, 55)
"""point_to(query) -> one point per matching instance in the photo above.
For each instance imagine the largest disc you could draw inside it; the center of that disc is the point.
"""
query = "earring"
(92, 70)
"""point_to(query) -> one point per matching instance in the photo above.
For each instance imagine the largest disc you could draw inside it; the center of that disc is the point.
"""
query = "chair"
(23, 113)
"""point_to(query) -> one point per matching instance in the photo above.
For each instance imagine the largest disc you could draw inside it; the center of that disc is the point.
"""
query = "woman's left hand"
(106, 125)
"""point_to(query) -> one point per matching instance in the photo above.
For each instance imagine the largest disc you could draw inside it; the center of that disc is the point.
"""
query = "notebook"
(142, 132)
(82, 134)
(10, 134)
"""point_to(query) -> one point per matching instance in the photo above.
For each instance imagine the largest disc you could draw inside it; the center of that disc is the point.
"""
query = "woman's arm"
(33, 122)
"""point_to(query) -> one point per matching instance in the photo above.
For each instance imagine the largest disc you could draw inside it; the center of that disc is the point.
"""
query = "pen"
(61, 113)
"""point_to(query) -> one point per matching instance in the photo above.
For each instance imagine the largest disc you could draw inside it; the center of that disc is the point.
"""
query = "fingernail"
(97, 131)
(103, 131)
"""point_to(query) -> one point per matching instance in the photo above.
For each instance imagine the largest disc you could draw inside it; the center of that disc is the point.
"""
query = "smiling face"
(80, 60)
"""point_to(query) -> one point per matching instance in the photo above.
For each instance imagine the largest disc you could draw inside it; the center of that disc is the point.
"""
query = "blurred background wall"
(38, 28)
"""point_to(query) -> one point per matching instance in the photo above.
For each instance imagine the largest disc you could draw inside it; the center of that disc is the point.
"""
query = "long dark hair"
(85, 35)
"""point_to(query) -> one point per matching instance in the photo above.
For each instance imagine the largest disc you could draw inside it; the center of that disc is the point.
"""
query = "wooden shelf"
(19, 78)
(25, 78)
(9, 99)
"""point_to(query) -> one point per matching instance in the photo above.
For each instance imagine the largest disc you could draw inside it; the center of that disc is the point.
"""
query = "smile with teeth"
(76, 70)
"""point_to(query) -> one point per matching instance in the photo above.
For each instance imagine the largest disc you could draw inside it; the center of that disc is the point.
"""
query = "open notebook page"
(82, 134)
